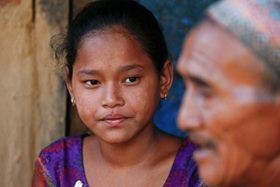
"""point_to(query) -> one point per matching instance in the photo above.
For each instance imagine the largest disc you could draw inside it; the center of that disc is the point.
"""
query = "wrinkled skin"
(229, 110)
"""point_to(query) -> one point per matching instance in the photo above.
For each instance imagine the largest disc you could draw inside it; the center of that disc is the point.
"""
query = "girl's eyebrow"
(121, 69)
(130, 67)
(88, 72)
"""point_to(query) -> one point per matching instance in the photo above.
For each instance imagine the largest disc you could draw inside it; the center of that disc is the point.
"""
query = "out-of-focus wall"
(32, 94)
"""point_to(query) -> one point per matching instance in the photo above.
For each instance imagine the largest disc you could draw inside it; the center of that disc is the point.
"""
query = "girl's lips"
(114, 120)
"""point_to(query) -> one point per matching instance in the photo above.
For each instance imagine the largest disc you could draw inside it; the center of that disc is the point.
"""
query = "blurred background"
(34, 105)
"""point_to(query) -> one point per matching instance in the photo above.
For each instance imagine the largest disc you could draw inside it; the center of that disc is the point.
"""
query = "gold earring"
(73, 101)
(165, 96)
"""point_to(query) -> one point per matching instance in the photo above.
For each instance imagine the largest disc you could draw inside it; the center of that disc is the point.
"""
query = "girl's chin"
(115, 138)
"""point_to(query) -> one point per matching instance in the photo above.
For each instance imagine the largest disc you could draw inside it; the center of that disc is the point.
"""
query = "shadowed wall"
(32, 97)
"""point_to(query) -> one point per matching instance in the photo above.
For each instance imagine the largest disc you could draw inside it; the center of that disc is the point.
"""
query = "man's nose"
(112, 96)
(189, 118)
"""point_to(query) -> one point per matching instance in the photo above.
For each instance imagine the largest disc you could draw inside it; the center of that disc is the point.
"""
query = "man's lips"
(203, 142)
(206, 147)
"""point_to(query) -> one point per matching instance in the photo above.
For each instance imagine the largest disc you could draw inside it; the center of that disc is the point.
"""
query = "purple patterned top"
(61, 164)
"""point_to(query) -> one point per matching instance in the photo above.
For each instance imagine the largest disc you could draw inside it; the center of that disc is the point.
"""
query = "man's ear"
(166, 78)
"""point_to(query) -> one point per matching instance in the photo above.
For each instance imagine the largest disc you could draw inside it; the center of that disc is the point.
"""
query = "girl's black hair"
(130, 15)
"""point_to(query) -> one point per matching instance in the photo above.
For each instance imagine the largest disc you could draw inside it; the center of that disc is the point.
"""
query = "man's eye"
(205, 93)
(131, 79)
(91, 83)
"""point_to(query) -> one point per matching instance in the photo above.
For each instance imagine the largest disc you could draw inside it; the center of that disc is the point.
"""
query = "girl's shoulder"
(61, 162)
(62, 146)
(184, 171)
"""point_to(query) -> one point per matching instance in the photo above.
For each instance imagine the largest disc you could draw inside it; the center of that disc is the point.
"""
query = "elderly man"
(231, 66)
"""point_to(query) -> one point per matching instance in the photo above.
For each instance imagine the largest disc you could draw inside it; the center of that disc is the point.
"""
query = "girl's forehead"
(111, 40)
(109, 31)
(111, 47)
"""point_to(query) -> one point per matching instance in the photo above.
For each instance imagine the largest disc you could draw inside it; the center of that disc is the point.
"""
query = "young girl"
(117, 71)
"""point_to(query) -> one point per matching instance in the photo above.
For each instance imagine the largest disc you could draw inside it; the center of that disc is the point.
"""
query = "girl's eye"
(131, 79)
(92, 83)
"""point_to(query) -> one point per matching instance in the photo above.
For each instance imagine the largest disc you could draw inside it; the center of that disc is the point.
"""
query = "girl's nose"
(112, 96)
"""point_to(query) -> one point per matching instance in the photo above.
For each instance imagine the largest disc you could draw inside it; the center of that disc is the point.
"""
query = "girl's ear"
(166, 78)
(68, 81)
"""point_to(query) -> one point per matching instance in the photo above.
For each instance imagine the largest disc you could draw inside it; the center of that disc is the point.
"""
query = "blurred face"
(116, 86)
(227, 109)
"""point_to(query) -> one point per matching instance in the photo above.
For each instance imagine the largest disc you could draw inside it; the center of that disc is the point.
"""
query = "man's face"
(227, 108)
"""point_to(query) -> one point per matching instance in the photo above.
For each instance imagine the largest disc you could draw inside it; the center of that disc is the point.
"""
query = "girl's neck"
(134, 152)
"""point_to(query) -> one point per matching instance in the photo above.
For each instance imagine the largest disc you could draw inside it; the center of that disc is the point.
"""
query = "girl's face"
(116, 85)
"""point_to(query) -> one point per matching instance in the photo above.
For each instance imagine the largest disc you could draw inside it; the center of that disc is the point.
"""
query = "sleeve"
(40, 177)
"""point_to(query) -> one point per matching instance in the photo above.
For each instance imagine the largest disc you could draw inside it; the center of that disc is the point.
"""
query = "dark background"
(176, 18)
